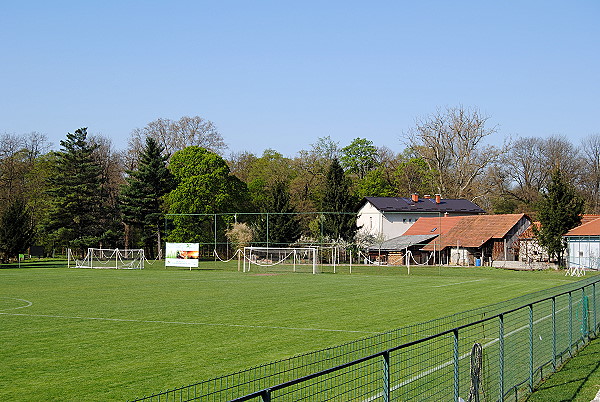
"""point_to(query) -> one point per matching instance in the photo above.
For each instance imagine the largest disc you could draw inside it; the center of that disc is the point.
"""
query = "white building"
(583, 245)
(390, 217)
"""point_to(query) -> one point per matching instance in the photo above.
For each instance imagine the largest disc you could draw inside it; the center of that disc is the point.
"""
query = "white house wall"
(396, 224)
(369, 219)
(584, 252)
(391, 224)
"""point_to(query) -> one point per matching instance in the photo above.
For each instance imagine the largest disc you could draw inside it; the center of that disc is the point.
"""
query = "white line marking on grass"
(28, 303)
(187, 323)
(458, 283)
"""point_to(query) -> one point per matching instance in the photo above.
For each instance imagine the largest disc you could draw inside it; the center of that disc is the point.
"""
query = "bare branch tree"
(452, 144)
(175, 135)
(590, 150)
(112, 167)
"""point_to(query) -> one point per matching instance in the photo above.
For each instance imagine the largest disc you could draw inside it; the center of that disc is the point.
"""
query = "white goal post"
(286, 259)
(109, 258)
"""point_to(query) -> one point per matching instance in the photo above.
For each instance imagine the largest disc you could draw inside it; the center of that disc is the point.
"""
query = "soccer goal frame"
(267, 257)
(108, 258)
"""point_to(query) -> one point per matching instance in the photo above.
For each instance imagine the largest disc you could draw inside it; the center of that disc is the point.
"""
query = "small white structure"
(583, 245)
(390, 217)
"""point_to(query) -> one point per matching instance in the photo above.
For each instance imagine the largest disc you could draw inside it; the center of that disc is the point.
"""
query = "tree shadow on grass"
(578, 379)
(35, 264)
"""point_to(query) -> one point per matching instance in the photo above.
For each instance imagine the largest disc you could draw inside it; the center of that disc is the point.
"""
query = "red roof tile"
(474, 231)
(588, 218)
(591, 228)
(433, 225)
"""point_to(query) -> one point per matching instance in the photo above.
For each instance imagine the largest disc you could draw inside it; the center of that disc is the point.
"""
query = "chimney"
(427, 196)
(415, 197)
(438, 198)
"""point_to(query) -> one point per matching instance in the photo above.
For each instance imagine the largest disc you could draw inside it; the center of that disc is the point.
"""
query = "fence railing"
(497, 352)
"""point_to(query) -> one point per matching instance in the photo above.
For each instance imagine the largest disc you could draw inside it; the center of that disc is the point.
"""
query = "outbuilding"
(583, 246)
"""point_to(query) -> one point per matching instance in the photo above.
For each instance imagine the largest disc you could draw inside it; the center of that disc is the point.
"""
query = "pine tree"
(77, 216)
(142, 197)
(558, 211)
(283, 225)
(338, 199)
(16, 229)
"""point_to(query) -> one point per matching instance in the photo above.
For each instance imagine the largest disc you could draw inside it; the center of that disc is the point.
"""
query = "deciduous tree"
(590, 147)
(173, 136)
(205, 185)
(452, 144)
(359, 157)
(307, 188)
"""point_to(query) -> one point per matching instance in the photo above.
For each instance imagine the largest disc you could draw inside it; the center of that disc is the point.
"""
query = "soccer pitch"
(78, 334)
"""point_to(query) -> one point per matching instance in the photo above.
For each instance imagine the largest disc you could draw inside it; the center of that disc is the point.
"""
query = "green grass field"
(577, 381)
(78, 334)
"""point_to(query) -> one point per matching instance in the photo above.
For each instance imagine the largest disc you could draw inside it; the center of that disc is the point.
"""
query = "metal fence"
(497, 352)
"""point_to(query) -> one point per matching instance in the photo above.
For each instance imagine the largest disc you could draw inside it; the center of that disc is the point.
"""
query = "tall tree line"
(88, 194)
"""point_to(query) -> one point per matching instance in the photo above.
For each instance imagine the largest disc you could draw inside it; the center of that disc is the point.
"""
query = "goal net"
(280, 259)
(109, 258)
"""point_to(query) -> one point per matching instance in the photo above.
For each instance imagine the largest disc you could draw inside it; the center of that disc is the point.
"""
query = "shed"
(486, 237)
(583, 245)
(393, 251)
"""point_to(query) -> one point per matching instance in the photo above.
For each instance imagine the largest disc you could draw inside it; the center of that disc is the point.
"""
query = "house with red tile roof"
(389, 217)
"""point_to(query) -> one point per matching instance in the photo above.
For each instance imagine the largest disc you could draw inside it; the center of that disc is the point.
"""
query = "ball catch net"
(109, 259)
(280, 259)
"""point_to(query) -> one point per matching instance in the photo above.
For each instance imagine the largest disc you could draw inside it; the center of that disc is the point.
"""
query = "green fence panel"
(497, 352)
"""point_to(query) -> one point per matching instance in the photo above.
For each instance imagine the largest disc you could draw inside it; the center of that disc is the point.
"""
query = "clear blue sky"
(280, 74)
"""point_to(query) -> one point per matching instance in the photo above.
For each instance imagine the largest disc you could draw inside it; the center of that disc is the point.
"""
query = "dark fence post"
(554, 332)
(266, 395)
(531, 348)
(501, 355)
(570, 324)
(594, 301)
(456, 375)
(386, 376)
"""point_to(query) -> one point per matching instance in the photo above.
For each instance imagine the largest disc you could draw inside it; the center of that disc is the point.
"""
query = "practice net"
(109, 258)
(280, 259)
